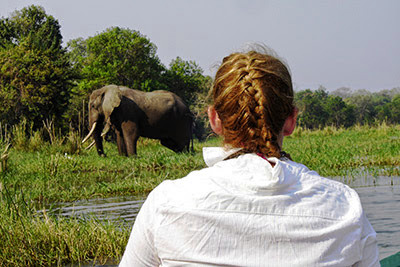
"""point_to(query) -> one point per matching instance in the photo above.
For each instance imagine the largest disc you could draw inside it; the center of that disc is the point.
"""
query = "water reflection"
(114, 208)
(382, 206)
(380, 197)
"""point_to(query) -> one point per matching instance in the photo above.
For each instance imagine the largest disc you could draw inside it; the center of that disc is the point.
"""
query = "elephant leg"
(171, 144)
(99, 146)
(99, 140)
(131, 135)
(177, 144)
(120, 143)
(183, 146)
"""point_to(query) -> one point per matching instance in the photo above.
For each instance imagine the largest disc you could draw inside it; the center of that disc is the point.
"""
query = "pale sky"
(331, 43)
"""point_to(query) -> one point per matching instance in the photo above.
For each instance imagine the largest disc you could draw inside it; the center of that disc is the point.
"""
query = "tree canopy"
(116, 56)
(35, 74)
(185, 78)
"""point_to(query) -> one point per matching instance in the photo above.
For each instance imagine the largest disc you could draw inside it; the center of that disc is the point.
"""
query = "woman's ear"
(215, 122)
(290, 123)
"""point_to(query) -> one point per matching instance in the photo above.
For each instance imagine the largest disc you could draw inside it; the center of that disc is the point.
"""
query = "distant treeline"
(41, 80)
(344, 108)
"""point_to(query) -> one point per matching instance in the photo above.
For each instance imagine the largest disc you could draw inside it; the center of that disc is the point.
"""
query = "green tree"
(395, 109)
(185, 78)
(116, 56)
(35, 74)
(312, 113)
(364, 106)
(339, 113)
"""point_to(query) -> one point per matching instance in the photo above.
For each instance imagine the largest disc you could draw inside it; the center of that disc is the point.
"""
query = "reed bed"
(30, 240)
(357, 151)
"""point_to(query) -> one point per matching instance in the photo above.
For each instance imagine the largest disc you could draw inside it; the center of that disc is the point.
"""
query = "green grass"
(48, 176)
(28, 240)
(358, 151)
(51, 175)
(35, 176)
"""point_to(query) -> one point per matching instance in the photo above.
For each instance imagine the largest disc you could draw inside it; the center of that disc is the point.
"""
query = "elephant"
(132, 113)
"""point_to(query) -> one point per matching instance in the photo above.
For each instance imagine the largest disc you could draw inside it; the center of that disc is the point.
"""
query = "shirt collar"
(255, 173)
(213, 155)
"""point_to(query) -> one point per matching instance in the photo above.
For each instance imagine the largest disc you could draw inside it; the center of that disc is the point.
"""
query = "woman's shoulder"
(336, 197)
(182, 190)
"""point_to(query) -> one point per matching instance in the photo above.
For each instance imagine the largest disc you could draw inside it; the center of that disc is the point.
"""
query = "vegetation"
(63, 171)
(35, 74)
(29, 240)
(345, 108)
(39, 79)
(358, 151)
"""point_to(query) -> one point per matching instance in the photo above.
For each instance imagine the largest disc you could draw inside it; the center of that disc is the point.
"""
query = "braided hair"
(253, 96)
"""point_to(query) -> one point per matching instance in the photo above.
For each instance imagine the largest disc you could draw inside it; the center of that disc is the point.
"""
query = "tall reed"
(30, 240)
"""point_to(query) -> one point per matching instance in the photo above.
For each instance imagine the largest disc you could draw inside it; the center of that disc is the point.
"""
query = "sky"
(333, 43)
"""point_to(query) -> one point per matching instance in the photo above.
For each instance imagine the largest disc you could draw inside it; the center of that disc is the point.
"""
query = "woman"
(252, 206)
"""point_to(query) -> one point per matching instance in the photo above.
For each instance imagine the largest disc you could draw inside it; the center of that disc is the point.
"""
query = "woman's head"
(253, 96)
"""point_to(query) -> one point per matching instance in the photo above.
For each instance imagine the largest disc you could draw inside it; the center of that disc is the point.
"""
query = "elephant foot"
(101, 154)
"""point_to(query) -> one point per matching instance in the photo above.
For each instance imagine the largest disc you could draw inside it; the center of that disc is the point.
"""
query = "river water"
(380, 197)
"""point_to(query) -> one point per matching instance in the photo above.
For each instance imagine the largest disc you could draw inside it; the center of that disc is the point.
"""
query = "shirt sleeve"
(140, 250)
(369, 245)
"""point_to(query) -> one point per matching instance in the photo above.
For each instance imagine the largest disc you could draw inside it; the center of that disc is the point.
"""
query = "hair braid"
(253, 96)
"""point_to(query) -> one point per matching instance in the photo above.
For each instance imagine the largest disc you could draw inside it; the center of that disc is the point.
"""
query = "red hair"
(253, 96)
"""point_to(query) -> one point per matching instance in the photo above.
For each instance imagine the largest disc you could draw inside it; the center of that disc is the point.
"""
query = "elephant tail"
(192, 126)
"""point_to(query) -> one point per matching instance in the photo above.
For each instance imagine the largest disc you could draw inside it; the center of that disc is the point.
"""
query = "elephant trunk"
(106, 129)
(90, 133)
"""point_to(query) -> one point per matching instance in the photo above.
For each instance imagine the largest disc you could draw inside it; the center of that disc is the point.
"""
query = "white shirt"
(244, 212)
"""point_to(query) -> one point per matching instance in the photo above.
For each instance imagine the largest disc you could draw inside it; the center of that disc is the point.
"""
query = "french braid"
(253, 96)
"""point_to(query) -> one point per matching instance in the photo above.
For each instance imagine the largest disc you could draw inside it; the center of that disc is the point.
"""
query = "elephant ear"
(112, 99)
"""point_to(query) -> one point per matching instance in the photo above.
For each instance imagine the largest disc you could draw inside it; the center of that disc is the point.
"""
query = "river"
(380, 198)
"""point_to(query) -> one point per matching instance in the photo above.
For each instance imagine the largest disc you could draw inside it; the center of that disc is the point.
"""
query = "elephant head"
(101, 105)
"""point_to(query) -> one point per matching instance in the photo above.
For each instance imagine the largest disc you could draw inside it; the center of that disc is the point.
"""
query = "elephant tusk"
(90, 133)
(90, 146)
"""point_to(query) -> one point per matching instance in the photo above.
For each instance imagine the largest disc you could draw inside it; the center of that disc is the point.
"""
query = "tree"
(185, 78)
(35, 75)
(339, 113)
(364, 107)
(343, 92)
(312, 113)
(116, 56)
(395, 109)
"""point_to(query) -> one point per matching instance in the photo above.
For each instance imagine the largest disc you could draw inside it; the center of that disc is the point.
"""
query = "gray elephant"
(131, 113)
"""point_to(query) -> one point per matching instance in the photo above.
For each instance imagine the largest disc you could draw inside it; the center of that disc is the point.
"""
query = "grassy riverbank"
(35, 177)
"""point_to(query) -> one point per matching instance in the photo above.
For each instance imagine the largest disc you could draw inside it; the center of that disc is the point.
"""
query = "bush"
(73, 143)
